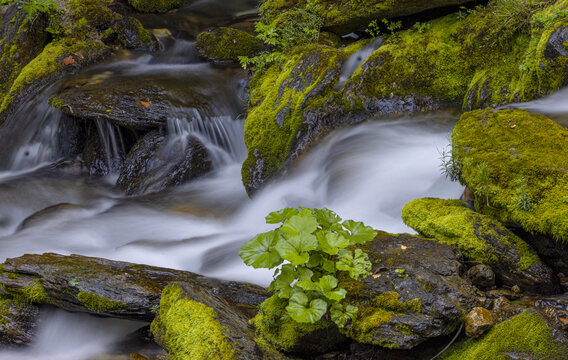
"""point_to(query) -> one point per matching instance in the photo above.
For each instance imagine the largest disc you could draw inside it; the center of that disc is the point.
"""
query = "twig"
(450, 344)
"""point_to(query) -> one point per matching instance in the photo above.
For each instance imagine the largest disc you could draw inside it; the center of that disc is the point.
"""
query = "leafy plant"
(450, 166)
(310, 248)
(421, 28)
(374, 28)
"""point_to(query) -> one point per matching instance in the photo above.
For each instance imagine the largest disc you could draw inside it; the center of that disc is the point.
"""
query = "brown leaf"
(68, 60)
(376, 276)
(563, 321)
(513, 126)
(403, 247)
(145, 103)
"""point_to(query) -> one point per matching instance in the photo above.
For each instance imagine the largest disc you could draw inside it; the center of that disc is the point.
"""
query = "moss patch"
(479, 237)
(154, 5)
(515, 163)
(526, 336)
(98, 303)
(189, 329)
(227, 44)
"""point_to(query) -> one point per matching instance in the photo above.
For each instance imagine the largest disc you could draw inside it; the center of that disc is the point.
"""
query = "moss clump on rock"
(451, 222)
(98, 303)
(154, 5)
(526, 336)
(189, 329)
(515, 163)
(222, 44)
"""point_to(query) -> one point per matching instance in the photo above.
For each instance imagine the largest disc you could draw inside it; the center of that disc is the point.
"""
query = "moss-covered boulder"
(154, 6)
(515, 163)
(343, 17)
(199, 325)
(227, 44)
(110, 288)
(18, 322)
(481, 239)
(525, 336)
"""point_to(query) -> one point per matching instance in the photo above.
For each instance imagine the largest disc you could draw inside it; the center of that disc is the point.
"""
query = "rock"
(196, 324)
(227, 44)
(104, 157)
(477, 322)
(345, 17)
(130, 33)
(552, 252)
(158, 6)
(156, 162)
(18, 322)
(482, 239)
(410, 297)
(111, 288)
(525, 336)
(481, 276)
(61, 211)
(520, 182)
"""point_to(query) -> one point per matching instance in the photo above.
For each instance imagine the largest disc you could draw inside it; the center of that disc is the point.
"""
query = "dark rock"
(104, 156)
(483, 239)
(112, 288)
(157, 162)
(411, 297)
(481, 276)
(553, 253)
(478, 321)
(60, 210)
(18, 322)
(130, 33)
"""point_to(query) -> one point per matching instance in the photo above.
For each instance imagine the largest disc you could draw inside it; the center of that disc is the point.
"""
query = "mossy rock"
(154, 6)
(515, 163)
(481, 239)
(18, 322)
(525, 336)
(343, 17)
(227, 44)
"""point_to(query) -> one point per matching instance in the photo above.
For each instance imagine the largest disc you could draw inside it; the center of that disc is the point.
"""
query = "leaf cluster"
(33, 8)
(310, 248)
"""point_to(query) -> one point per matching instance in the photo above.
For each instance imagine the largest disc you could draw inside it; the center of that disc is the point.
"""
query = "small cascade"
(356, 60)
(112, 144)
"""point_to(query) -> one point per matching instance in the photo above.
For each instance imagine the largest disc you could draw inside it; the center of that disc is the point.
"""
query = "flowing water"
(366, 172)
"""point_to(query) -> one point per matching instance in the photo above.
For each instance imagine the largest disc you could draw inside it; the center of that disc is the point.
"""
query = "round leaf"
(260, 252)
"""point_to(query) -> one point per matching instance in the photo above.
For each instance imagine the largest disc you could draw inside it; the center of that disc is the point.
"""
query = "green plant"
(315, 245)
(293, 28)
(373, 29)
(450, 166)
(421, 27)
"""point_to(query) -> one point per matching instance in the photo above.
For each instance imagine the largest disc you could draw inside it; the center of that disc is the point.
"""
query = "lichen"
(524, 156)
(380, 312)
(526, 336)
(227, 44)
(479, 237)
(275, 332)
(154, 5)
(189, 329)
(98, 303)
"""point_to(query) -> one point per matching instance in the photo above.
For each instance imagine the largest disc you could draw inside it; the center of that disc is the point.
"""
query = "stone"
(18, 322)
(481, 276)
(478, 321)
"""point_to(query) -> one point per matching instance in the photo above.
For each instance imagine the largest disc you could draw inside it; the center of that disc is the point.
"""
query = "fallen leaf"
(513, 126)
(145, 103)
(403, 247)
(68, 60)
(563, 321)
(376, 276)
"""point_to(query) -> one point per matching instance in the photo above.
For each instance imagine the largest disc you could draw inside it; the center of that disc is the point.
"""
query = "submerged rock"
(515, 162)
(18, 322)
(112, 288)
(157, 162)
(482, 239)
(227, 44)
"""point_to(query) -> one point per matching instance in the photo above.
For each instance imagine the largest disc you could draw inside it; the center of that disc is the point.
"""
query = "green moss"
(526, 334)
(479, 237)
(98, 303)
(274, 332)
(189, 329)
(154, 5)
(227, 44)
(95, 13)
(380, 312)
(525, 155)
(31, 294)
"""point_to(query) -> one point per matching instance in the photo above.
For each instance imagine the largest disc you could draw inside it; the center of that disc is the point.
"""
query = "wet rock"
(55, 211)
(104, 157)
(130, 33)
(481, 276)
(227, 44)
(506, 293)
(112, 288)
(482, 239)
(196, 324)
(554, 253)
(525, 336)
(18, 322)
(410, 297)
(478, 321)
(157, 6)
(523, 189)
(157, 162)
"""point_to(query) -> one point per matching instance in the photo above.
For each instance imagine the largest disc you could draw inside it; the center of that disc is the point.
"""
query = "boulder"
(157, 162)
(227, 44)
(482, 239)
(525, 336)
(478, 321)
(18, 322)
(514, 162)
(112, 288)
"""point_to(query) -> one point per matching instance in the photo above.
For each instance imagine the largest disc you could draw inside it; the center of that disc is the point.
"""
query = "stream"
(366, 172)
